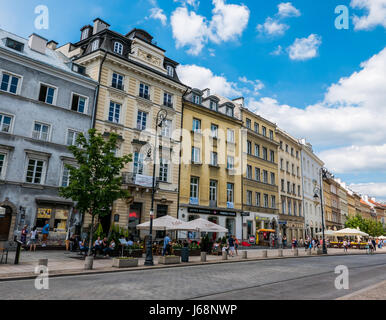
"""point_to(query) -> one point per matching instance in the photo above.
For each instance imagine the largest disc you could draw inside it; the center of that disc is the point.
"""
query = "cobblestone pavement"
(311, 278)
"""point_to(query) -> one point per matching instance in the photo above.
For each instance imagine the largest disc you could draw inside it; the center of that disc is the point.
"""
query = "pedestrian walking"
(285, 241)
(345, 245)
(236, 244)
(166, 247)
(23, 237)
(33, 238)
(231, 243)
(374, 244)
(45, 233)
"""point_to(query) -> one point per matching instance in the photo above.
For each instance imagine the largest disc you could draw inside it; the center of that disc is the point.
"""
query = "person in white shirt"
(33, 239)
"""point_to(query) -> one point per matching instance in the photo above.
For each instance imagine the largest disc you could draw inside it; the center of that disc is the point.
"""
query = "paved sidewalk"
(70, 263)
(376, 292)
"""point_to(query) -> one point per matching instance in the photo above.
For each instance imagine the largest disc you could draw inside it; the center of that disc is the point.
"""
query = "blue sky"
(287, 58)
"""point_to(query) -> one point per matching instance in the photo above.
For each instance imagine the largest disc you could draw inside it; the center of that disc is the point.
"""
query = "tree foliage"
(373, 228)
(95, 182)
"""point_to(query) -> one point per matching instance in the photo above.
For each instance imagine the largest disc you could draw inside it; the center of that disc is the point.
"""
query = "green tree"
(373, 228)
(95, 182)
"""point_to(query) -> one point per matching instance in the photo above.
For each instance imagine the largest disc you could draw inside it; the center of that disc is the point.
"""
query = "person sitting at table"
(110, 248)
(97, 246)
(83, 247)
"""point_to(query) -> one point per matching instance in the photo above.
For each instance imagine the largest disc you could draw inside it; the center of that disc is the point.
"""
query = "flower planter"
(192, 252)
(125, 263)
(169, 260)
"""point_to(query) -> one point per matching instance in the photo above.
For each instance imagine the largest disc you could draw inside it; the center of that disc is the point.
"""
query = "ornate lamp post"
(318, 189)
(161, 116)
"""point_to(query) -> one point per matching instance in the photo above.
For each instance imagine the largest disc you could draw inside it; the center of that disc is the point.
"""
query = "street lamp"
(161, 116)
(318, 189)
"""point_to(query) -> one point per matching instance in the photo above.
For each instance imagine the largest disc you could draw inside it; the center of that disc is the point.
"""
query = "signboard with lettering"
(212, 212)
(193, 200)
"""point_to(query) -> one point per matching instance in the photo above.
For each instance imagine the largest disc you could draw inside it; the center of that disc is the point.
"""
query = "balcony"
(130, 178)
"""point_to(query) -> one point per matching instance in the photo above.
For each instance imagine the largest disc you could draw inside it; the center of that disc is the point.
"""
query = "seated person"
(97, 246)
(110, 248)
(83, 247)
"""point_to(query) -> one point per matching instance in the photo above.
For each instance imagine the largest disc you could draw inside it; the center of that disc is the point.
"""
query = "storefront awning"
(54, 200)
(266, 230)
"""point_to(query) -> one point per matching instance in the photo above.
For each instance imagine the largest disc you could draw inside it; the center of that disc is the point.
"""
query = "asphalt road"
(293, 278)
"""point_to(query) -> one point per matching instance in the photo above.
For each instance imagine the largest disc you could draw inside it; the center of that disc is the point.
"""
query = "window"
(299, 191)
(166, 128)
(281, 145)
(230, 136)
(257, 174)
(257, 150)
(213, 159)
(65, 177)
(297, 171)
(249, 147)
(138, 163)
(118, 47)
(286, 148)
(292, 151)
(196, 99)
(265, 151)
(214, 130)
(293, 188)
(272, 156)
(95, 45)
(170, 71)
(213, 190)
(256, 127)
(72, 136)
(266, 201)
(194, 187)
(141, 120)
(297, 154)
(283, 203)
(230, 163)
(114, 112)
(196, 125)
(293, 169)
(195, 155)
(229, 111)
(249, 172)
(271, 134)
(300, 210)
(9, 83)
(46, 94)
(248, 123)
(265, 176)
(5, 123)
(144, 91)
(230, 194)
(289, 207)
(163, 170)
(3, 157)
(35, 171)
(213, 105)
(78, 103)
(264, 131)
(281, 164)
(168, 100)
(257, 199)
(295, 208)
(282, 185)
(41, 131)
(273, 202)
(272, 178)
(287, 165)
(85, 34)
(288, 187)
(117, 81)
(249, 197)
(15, 45)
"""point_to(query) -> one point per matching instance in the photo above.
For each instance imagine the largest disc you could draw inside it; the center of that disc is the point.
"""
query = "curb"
(80, 272)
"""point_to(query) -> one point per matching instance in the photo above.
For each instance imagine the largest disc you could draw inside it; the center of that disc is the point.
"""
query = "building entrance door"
(5, 224)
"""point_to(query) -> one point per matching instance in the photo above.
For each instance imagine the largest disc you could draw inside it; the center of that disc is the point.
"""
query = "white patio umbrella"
(326, 233)
(382, 238)
(350, 232)
(166, 223)
(203, 225)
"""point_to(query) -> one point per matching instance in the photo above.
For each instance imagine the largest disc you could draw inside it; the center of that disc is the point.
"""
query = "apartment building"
(46, 100)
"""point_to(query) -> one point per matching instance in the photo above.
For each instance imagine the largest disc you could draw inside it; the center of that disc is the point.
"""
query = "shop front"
(266, 228)
(291, 227)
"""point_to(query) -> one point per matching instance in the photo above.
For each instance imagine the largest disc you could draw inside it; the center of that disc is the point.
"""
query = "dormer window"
(15, 45)
(118, 47)
(170, 71)
(196, 99)
(213, 105)
(85, 34)
(229, 111)
(95, 45)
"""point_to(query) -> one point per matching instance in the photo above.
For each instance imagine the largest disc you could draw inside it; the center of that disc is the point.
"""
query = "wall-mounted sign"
(212, 212)
(44, 213)
(193, 200)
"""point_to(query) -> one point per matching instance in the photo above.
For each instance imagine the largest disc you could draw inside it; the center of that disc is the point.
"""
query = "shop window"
(60, 221)
(230, 225)
(42, 216)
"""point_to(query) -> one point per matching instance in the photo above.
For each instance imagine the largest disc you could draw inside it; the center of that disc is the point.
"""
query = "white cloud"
(278, 51)
(373, 189)
(194, 3)
(272, 27)
(376, 14)
(157, 13)
(286, 9)
(194, 31)
(353, 111)
(201, 78)
(355, 158)
(256, 85)
(305, 48)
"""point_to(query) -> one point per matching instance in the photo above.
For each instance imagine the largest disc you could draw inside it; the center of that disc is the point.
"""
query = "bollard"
(224, 256)
(280, 252)
(309, 252)
(265, 253)
(88, 263)
(296, 252)
(43, 262)
(203, 256)
(244, 255)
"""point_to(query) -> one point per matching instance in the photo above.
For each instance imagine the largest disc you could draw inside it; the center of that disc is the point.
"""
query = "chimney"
(52, 45)
(206, 93)
(240, 101)
(100, 25)
(37, 43)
